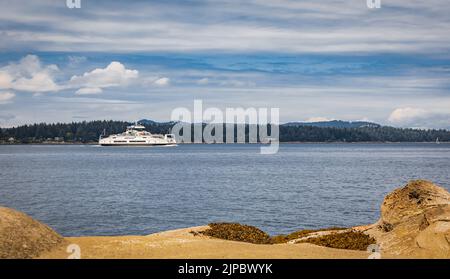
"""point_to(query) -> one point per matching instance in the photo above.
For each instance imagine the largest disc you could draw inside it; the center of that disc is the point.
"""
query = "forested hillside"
(86, 132)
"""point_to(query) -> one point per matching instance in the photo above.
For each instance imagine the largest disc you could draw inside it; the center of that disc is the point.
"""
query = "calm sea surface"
(92, 190)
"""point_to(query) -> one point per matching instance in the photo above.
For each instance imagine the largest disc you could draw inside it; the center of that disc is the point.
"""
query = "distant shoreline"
(283, 142)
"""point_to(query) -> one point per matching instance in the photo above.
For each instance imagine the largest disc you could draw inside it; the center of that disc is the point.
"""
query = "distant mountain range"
(322, 124)
(148, 122)
(335, 124)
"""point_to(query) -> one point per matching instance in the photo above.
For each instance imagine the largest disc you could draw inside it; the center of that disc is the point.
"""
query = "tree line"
(89, 131)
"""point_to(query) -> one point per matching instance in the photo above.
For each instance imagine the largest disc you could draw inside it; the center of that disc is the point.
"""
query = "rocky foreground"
(414, 223)
(23, 237)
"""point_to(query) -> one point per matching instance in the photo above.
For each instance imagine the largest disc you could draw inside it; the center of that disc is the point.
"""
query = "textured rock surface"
(23, 237)
(415, 221)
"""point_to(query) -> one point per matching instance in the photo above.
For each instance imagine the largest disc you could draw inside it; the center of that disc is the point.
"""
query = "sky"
(314, 60)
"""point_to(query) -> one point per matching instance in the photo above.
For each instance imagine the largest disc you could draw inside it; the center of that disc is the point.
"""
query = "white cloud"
(93, 82)
(264, 25)
(88, 91)
(164, 81)
(28, 75)
(405, 115)
(6, 97)
(317, 119)
(39, 82)
(5, 80)
(419, 118)
(115, 74)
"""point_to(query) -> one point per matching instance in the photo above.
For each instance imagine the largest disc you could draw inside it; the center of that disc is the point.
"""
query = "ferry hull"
(138, 144)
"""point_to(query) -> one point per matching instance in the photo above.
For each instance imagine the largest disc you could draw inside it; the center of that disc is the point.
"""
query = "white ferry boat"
(136, 135)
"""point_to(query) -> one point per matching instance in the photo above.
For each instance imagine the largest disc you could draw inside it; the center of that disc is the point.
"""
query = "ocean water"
(92, 190)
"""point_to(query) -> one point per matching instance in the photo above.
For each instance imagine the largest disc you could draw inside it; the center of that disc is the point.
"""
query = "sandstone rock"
(415, 221)
(23, 237)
